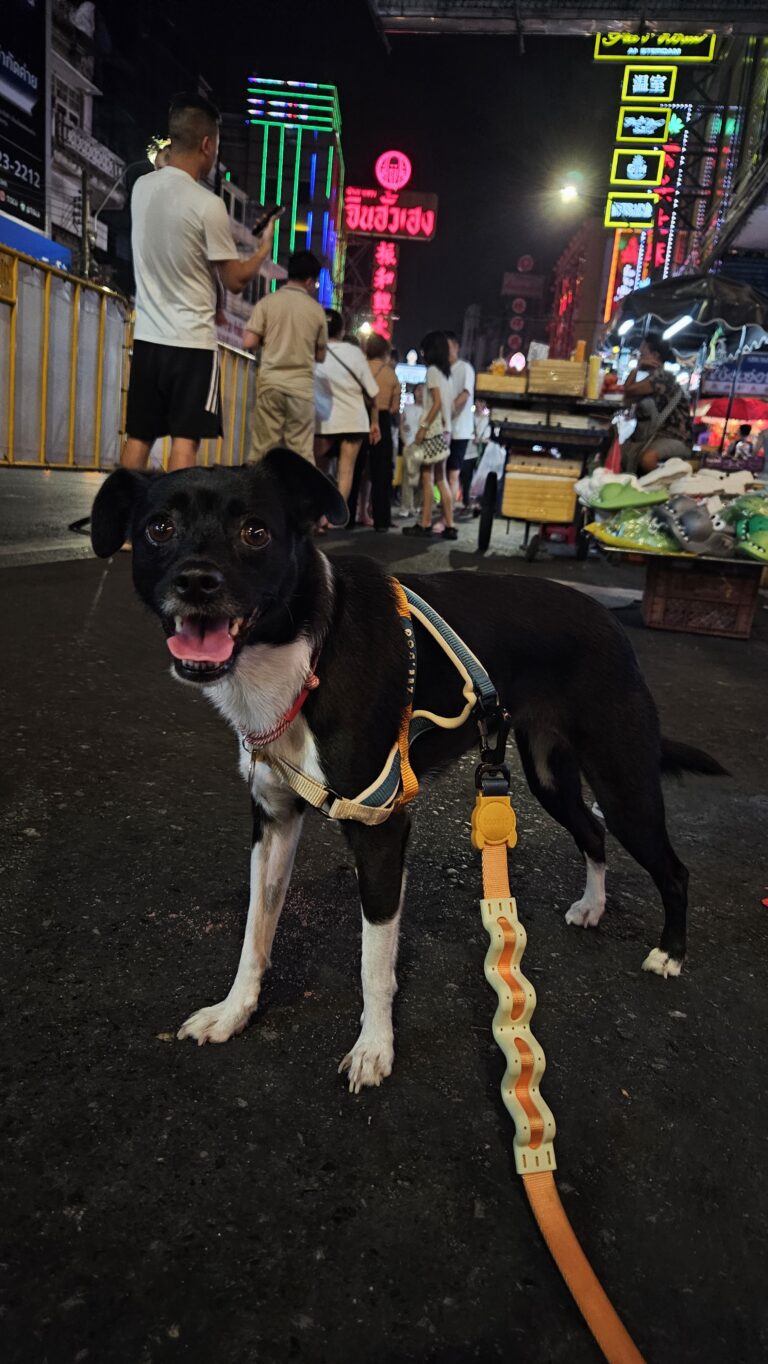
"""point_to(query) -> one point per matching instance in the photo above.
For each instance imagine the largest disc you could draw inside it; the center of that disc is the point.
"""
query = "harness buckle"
(493, 779)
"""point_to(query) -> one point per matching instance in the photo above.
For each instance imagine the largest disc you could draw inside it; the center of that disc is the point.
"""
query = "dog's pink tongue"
(202, 641)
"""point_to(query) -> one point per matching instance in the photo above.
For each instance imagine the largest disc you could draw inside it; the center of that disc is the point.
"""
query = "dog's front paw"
(217, 1023)
(369, 1062)
(585, 913)
(661, 964)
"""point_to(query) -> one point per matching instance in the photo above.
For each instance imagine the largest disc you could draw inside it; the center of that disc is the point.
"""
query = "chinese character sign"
(649, 83)
(383, 286)
(400, 215)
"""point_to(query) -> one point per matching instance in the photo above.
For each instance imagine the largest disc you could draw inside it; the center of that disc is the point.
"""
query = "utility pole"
(85, 215)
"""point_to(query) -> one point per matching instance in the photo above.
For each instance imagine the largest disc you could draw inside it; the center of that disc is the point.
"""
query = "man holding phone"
(290, 329)
(181, 241)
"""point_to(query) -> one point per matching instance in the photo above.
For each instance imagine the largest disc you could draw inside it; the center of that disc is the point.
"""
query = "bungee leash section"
(493, 834)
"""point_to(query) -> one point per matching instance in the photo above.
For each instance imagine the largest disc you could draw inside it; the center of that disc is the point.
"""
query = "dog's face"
(217, 553)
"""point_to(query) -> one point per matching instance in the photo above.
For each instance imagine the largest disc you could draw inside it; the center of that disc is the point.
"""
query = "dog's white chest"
(254, 698)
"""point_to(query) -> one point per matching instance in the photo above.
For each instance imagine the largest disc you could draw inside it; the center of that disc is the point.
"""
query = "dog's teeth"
(234, 628)
(178, 622)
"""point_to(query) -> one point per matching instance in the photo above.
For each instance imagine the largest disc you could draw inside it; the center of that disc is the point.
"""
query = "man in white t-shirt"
(181, 239)
(462, 421)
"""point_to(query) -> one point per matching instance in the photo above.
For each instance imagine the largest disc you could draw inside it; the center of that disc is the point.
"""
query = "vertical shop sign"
(23, 86)
(386, 258)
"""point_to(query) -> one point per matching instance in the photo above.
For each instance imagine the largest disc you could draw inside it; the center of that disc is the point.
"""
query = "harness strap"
(493, 832)
(397, 784)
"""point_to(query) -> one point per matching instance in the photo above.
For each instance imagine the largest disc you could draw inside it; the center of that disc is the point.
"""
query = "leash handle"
(494, 832)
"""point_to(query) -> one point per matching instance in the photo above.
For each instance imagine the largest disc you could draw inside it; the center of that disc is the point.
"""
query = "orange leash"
(494, 832)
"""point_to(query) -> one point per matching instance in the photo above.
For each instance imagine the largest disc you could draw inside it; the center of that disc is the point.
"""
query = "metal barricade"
(65, 348)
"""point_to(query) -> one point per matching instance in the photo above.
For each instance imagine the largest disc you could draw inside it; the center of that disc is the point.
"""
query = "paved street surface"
(236, 1204)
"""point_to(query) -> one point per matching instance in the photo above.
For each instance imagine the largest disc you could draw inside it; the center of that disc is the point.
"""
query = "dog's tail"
(679, 758)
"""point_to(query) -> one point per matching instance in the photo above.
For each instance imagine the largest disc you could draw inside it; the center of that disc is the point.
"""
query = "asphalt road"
(163, 1202)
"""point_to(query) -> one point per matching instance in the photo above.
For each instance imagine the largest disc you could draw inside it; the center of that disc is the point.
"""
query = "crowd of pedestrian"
(317, 391)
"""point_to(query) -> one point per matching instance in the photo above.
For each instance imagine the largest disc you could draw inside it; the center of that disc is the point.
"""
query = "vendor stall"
(549, 429)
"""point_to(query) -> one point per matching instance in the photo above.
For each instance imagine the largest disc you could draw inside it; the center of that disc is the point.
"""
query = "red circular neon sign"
(393, 170)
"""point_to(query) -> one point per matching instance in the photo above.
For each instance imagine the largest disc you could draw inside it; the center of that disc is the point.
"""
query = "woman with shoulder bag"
(432, 442)
(353, 417)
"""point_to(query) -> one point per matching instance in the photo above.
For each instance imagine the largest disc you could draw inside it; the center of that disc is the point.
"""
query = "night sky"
(487, 129)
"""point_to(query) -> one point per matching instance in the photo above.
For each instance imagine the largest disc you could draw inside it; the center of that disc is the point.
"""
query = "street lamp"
(365, 329)
(569, 193)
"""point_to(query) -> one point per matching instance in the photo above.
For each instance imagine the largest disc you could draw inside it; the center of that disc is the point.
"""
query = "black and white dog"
(249, 605)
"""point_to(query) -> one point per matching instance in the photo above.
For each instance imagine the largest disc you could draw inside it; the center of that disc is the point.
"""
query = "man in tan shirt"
(290, 329)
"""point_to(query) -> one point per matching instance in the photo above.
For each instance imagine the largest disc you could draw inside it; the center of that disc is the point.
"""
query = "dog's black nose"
(198, 582)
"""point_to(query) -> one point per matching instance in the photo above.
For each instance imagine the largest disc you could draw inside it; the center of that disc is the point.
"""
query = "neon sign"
(637, 167)
(684, 47)
(631, 210)
(643, 125)
(393, 170)
(383, 285)
(649, 83)
(399, 215)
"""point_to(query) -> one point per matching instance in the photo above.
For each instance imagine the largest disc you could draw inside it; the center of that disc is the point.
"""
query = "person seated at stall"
(664, 429)
(742, 447)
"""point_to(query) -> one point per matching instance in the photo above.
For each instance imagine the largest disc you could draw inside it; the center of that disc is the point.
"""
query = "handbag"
(370, 405)
(435, 445)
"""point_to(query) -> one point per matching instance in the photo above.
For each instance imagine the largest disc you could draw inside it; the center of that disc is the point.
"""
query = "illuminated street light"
(569, 194)
(365, 329)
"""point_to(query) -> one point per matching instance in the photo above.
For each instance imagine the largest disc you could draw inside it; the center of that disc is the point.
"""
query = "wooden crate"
(701, 597)
(501, 383)
(565, 377)
(548, 498)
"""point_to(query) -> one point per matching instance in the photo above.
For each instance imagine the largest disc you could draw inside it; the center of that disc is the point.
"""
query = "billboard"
(23, 87)
(751, 376)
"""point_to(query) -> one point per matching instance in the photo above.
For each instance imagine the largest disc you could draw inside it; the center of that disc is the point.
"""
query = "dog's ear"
(113, 509)
(309, 495)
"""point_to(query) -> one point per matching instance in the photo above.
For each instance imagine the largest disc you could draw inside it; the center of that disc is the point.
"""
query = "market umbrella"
(741, 409)
(712, 302)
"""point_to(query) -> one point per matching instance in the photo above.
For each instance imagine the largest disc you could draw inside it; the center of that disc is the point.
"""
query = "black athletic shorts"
(173, 391)
(458, 451)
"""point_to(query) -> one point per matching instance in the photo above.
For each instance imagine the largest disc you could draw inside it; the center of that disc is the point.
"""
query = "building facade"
(288, 153)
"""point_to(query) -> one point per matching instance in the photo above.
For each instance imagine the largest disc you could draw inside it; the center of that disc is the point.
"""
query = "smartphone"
(266, 218)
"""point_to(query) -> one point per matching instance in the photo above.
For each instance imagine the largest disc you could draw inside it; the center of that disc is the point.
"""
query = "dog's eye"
(254, 535)
(160, 530)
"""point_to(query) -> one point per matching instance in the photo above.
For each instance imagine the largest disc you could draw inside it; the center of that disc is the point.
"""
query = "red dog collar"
(260, 738)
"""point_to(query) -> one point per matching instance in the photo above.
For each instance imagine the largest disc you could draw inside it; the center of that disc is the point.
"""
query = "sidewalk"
(236, 1204)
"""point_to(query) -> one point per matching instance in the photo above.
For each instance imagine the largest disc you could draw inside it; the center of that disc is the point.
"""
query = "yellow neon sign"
(649, 84)
(637, 166)
(631, 210)
(643, 124)
(648, 47)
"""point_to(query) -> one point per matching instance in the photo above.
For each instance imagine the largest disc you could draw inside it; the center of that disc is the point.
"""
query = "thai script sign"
(402, 215)
(23, 82)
